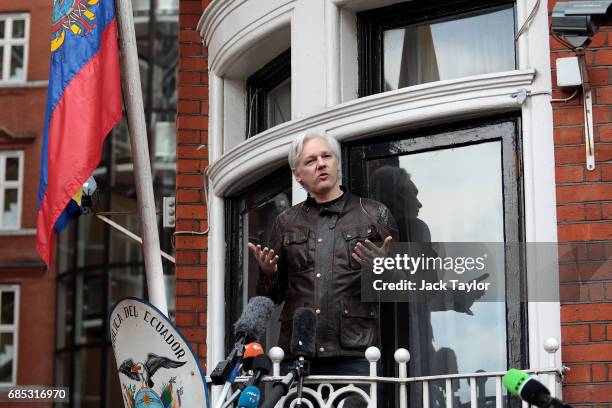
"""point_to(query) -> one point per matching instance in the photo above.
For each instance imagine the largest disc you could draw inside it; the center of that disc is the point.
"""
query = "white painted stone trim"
(435, 102)
(230, 27)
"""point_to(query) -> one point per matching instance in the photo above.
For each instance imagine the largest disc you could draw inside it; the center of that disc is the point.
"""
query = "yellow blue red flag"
(83, 105)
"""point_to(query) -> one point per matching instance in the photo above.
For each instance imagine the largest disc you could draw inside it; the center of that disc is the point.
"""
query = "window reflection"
(278, 104)
(436, 51)
(7, 353)
(253, 214)
(447, 195)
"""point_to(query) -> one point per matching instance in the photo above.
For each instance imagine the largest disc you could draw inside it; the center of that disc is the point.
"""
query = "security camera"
(579, 20)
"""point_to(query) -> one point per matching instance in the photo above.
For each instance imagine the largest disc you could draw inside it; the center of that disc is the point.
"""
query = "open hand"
(266, 258)
(366, 252)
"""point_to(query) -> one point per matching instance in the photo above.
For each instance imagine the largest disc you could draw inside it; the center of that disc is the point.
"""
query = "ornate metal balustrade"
(347, 393)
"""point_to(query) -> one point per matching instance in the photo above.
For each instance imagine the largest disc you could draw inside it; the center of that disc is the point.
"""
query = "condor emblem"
(75, 16)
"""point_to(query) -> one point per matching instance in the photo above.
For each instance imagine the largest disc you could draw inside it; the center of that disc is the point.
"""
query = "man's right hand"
(266, 258)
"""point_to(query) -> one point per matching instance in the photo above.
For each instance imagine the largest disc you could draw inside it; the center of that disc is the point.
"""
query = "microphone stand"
(303, 369)
(280, 388)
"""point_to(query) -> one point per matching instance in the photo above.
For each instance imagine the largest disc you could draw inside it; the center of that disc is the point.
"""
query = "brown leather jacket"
(315, 269)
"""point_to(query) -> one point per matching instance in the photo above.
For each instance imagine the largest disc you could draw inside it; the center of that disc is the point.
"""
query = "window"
(269, 95)
(14, 30)
(421, 41)
(9, 322)
(11, 187)
(251, 215)
(451, 185)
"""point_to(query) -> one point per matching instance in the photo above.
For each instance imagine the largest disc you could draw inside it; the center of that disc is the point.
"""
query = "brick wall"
(192, 160)
(584, 216)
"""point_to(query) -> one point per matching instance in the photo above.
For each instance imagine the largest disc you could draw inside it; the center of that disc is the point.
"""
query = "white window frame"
(8, 42)
(12, 328)
(4, 154)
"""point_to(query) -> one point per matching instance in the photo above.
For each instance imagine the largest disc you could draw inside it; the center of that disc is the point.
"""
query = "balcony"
(323, 394)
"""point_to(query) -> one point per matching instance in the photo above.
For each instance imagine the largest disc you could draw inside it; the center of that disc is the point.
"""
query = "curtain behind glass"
(451, 49)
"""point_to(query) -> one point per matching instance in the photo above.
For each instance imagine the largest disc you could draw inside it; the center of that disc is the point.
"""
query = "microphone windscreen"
(254, 319)
(304, 332)
(525, 387)
(532, 391)
(514, 379)
(263, 364)
(249, 398)
(251, 351)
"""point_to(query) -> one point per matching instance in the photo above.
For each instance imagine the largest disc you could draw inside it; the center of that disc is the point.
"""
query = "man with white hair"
(315, 256)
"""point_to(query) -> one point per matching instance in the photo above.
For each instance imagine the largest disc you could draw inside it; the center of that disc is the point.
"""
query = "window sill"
(24, 84)
(18, 232)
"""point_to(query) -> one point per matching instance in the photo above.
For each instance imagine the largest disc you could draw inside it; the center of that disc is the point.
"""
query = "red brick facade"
(192, 160)
(21, 128)
(584, 217)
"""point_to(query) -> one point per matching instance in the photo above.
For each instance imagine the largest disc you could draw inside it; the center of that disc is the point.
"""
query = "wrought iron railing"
(323, 394)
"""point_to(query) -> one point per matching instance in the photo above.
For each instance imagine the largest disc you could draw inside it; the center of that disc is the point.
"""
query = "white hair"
(298, 145)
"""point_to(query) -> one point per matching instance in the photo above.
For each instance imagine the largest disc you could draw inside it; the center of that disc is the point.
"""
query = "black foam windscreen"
(532, 391)
(304, 332)
(263, 364)
(254, 319)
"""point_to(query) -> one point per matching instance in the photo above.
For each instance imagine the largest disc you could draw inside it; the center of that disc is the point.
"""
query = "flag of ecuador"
(83, 105)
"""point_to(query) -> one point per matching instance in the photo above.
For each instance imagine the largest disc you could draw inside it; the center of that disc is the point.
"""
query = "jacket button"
(320, 240)
(318, 275)
(345, 311)
(318, 311)
(321, 349)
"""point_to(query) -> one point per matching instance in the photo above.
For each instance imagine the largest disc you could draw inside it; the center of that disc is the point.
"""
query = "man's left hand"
(366, 252)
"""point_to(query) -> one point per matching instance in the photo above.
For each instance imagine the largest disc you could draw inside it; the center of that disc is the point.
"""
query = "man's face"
(317, 168)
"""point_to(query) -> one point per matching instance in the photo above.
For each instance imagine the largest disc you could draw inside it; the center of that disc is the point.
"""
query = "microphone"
(302, 345)
(249, 397)
(303, 335)
(251, 351)
(251, 326)
(262, 365)
(254, 319)
(530, 390)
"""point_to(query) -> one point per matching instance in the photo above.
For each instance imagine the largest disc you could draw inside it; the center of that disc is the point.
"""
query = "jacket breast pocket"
(297, 249)
(358, 324)
(354, 234)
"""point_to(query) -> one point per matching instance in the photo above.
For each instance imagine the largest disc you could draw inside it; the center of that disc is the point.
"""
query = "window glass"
(7, 355)
(2, 28)
(453, 186)
(86, 392)
(12, 169)
(18, 28)
(90, 242)
(63, 362)
(7, 308)
(278, 104)
(89, 312)
(457, 48)
(17, 62)
(10, 210)
(65, 312)
(269, 95)
(253, 214)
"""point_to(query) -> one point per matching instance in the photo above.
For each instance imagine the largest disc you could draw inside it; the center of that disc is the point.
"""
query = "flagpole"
(132, 93)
